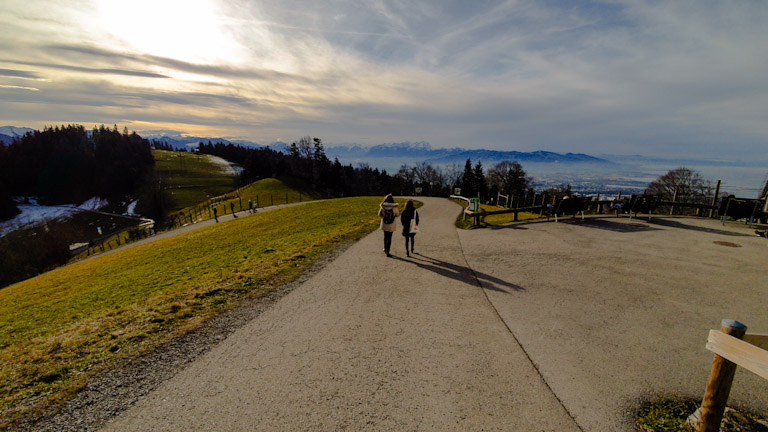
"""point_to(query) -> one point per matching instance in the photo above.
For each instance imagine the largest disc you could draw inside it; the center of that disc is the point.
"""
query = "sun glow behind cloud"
(191, 31)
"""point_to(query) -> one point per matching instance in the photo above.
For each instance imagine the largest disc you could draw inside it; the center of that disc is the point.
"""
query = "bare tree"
(405, 173)
(305, 147)
(510, 178)
(452, 174)
(686, 184)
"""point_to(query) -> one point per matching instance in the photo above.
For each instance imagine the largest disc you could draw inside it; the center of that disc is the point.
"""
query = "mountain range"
(9, 133)
(408, 152)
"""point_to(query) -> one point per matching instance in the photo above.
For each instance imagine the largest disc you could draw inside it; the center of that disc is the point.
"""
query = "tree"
(510, 178)
(481, 186)
(306, 150)
(467, 181)
(683, 183)
(452, 174)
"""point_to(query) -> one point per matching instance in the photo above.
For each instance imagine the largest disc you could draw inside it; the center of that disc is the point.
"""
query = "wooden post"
(674, 199)
(714, 199)
(719, 385)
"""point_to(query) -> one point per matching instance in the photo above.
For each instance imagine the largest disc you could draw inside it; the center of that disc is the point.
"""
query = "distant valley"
(591, 174)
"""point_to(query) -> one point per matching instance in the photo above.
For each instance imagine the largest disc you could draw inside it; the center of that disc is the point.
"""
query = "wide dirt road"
(368, 343)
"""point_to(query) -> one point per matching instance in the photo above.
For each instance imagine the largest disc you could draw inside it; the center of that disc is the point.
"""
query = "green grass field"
(63, 325)
(191, 178)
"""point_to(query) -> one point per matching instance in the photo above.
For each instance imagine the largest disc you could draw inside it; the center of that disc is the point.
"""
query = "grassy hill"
(191, 178)
(63, 325)
(261, 193)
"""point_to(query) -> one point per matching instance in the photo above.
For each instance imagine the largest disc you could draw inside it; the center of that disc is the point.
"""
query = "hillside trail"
(367, 343)
(194, 226)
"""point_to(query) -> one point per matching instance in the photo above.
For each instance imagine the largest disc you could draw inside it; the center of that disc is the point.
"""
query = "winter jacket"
(390, 227)
(405, 220)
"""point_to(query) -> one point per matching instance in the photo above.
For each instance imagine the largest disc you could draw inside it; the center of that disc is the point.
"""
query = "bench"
(568, 206)
(640, 203)
(740, 208)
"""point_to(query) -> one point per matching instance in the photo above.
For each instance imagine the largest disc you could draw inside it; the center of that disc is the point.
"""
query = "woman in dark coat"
(409, 214)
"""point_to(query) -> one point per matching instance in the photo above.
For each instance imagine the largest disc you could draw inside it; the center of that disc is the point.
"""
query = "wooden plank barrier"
(732, 348)
(737, 351)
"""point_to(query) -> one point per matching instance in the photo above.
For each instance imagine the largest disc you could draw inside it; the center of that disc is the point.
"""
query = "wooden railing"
(732, 348)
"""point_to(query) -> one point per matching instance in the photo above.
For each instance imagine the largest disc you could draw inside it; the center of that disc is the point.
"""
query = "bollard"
(719, 384)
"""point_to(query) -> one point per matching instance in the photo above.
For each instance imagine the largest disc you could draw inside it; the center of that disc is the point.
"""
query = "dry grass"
(60, 327)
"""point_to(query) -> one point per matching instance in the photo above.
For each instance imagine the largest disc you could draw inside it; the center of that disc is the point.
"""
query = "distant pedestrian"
(216, 214)
(250, 206)
(410, 221)
(388, 212)
(232, 207)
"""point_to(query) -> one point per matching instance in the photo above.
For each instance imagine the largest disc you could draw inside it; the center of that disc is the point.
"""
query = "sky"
(658, 78)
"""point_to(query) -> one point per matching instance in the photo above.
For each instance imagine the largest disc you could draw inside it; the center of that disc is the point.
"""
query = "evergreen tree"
(468, 182)
(481, 186)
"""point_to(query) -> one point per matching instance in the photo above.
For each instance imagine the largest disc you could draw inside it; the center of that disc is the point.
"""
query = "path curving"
(368, 343)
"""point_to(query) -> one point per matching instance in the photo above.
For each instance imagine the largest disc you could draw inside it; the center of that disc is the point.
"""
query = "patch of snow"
(75, 246)
(94, 203)
(32, 214)
(226, 167)
(132, 208)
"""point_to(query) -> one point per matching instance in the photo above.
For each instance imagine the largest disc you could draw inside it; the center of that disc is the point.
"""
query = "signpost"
(474, 204)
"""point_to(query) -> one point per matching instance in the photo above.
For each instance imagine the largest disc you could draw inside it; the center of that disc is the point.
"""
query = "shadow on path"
(620, 227)
(460, 273)
(675, 224)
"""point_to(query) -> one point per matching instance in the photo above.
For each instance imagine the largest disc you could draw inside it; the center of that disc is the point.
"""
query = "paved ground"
(610, 310)
(574, 321)
(369, 343)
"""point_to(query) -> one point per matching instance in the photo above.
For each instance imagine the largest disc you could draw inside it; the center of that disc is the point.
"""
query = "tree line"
(67, 164)
(306, 160)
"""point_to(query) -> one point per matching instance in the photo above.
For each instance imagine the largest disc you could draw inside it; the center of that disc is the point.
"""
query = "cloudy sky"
(664, 78)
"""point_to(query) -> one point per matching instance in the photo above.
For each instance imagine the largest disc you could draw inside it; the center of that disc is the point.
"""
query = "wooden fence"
(732, 348)
(597, 206)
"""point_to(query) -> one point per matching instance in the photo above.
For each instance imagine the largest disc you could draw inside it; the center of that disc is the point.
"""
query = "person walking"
(410, 221)
(216, 214)
(388, 212)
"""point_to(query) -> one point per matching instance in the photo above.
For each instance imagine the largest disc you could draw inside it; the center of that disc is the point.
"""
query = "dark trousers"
(387, 241)
(413, 241)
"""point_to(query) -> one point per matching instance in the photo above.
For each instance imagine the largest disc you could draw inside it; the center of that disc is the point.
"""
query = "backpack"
(389, 216)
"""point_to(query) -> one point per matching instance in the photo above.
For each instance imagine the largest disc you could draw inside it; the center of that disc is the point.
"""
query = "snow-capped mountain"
(9, 133)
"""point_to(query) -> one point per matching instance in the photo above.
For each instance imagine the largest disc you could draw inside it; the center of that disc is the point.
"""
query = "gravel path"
(367, 343)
